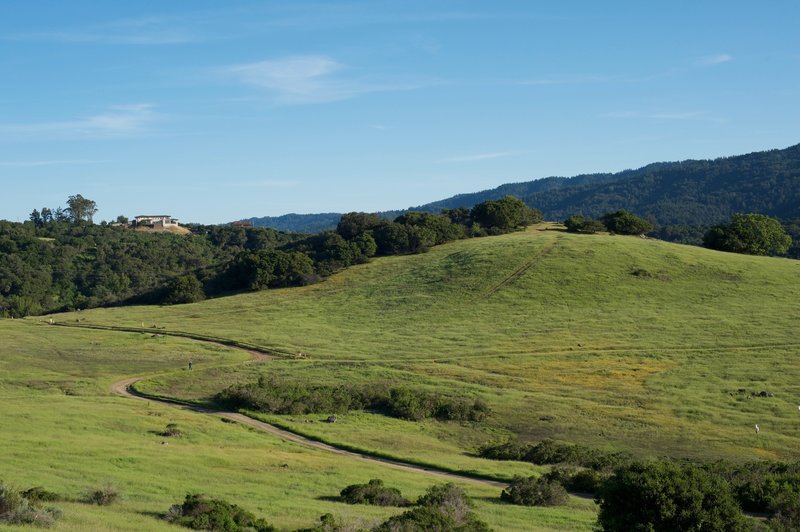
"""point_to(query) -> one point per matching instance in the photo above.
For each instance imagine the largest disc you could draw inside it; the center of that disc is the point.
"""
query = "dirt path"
(123, 388)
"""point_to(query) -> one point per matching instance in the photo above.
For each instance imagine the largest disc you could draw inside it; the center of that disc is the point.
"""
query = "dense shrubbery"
(280, 396)
(551, 452)
(578, 224)
(533, 491)
(25, 508)
(754, 234)
(375, 493)
(202, 513)
(442, 508)
(665, 496)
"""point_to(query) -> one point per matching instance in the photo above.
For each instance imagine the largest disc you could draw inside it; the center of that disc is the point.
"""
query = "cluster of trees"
(60, 260)
(279, 396)
(66, 265)
(754, 234)
(657, 495)
(620, 222)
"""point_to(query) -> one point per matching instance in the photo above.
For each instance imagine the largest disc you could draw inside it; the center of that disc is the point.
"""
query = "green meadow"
(61, 428)
(620, 343)
(610, 341)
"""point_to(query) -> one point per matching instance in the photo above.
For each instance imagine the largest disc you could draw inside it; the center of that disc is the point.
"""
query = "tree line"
(60, 260)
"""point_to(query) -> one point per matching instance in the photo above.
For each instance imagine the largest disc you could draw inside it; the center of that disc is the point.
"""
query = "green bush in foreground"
(17, 509)
(533, 491)
(375, 493)
(664, 496)
(201, 513)
(442, 508)
(104, 496)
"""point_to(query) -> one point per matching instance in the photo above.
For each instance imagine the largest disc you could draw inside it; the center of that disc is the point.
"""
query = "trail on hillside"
(519, 272)
(124, 388)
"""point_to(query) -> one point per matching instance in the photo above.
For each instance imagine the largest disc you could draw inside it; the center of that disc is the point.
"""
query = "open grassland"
(62, 429)
(616, 342)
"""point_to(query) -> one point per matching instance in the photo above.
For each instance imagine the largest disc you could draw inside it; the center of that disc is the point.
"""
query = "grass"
(63, 430)
(614, 342)
(618, 342)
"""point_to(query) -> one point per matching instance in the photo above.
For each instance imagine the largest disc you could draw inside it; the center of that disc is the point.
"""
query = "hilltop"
(612, 341)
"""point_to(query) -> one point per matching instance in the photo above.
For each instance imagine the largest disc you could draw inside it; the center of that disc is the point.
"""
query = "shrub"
(551, 452)
(201, 513)
(104, 496)
(39, 494)
(278, 396)
(171, 431)
(375, 493)
(16, 509)
(443, 507)
(532, 491)
(667, 496)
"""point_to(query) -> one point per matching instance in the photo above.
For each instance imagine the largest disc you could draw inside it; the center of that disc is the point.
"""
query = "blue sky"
(214, 111)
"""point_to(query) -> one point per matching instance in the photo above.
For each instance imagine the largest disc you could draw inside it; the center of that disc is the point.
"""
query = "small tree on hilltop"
(80, 208)
(625, 223)
(754, 234)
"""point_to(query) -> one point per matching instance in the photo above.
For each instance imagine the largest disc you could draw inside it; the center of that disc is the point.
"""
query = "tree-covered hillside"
(682, 199)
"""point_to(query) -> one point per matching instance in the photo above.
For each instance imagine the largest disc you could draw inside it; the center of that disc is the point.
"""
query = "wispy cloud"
(475, 157)
(117, 121)
(684, 115)
(308, 79)
(577, 80)
(715, 59)
(55, 162)
(140, 31)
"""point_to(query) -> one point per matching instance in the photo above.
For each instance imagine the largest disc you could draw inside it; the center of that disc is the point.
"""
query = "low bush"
(171, 431)
(533, 491)
(17, 509)
(443, 507)
(549, 452)
(280, 396)
(104, 496)
(39, 494)
(375, 493)
(202, 513)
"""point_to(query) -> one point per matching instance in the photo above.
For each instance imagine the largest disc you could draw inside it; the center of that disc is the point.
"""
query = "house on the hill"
(242, 223)
(156, 220)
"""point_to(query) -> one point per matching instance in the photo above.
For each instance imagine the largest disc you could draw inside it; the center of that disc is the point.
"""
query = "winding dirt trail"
(123, 388)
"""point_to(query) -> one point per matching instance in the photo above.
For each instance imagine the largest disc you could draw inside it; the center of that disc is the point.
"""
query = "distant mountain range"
(681, 198)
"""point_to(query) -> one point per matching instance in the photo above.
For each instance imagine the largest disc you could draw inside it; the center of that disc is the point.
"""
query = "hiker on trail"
(190, 364)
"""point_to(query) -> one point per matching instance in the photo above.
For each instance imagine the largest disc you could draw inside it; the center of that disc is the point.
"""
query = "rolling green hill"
(615, 342)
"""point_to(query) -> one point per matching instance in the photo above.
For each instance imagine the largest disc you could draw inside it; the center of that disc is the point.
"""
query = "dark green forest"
(682, 200)
(62, 261)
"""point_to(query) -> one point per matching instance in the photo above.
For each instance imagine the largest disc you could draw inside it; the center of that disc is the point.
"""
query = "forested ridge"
(61, 262)
(682, 199)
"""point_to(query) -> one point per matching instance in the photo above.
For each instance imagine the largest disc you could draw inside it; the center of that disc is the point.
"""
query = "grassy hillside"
(616, 342)
(62, 429)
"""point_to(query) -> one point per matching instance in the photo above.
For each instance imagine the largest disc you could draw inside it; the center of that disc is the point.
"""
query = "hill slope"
(621, 341)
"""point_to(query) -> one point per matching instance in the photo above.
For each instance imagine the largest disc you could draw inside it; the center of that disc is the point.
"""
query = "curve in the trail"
(124, 388)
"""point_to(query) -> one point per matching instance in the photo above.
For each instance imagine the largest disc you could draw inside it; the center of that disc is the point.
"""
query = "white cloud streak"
(117, 121)
(475, 157)
(55, 162)
(711, 60)
(307, 79)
